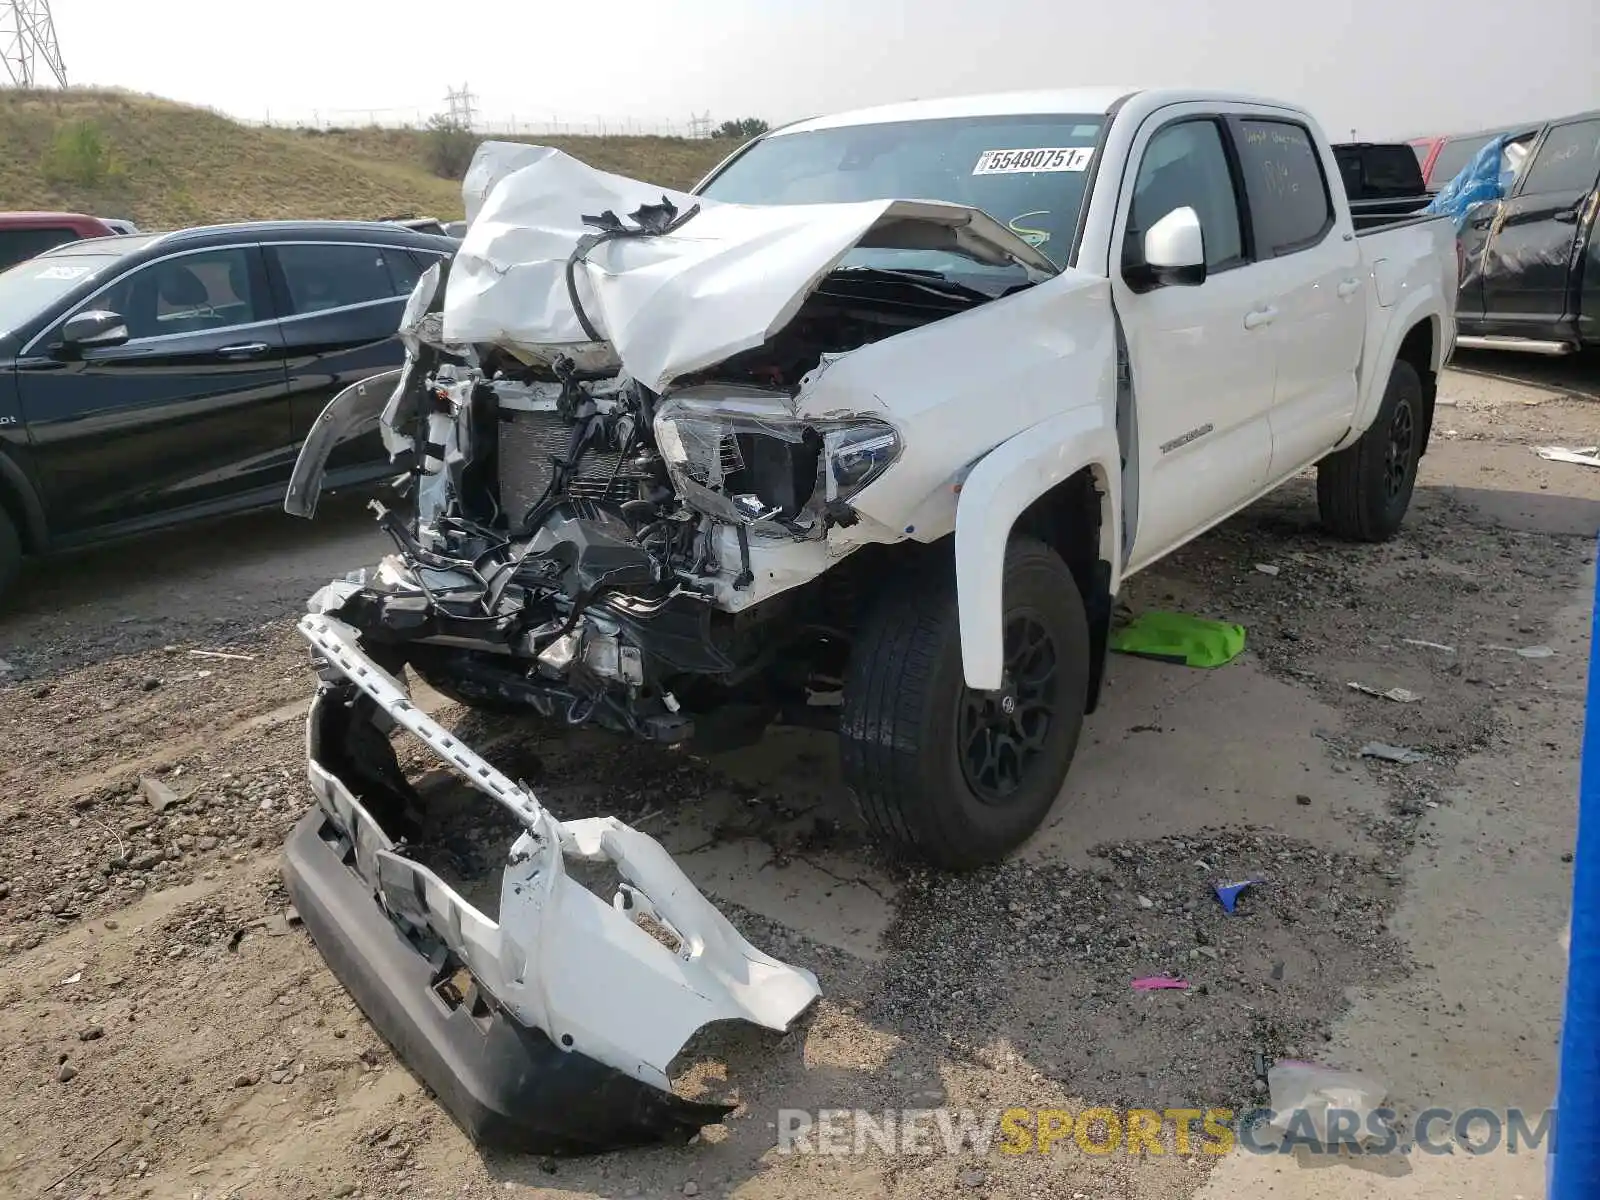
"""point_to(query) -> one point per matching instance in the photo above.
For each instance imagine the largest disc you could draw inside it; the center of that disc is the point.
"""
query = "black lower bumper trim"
(508, 1086)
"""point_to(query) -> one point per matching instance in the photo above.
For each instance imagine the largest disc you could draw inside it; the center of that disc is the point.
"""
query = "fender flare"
(1425, 303)
(347, 415)
(999, 488)
(14, 481)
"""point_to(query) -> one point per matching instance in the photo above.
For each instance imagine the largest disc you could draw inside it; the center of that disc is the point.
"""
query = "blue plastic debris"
(1480, 181)
(1228, 893)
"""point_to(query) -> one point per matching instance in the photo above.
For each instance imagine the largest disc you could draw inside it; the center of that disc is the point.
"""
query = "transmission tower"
(700, 126)
(28, 37)
(460, 103)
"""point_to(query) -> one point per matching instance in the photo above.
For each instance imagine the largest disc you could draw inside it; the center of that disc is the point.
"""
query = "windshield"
(29, 288)
(1027, 172)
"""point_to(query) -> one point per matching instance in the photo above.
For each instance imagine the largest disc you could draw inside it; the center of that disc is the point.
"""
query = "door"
(342, 303)
(1313, 266)
(1199, 357)
(192, 412)
(1530, 265)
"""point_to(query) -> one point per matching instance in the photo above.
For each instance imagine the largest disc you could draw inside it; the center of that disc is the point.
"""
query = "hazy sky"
(1388, 68)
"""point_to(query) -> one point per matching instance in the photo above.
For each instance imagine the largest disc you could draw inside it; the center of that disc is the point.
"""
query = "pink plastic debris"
(1155, 983)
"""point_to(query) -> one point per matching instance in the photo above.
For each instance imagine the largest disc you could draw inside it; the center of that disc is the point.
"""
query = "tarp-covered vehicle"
(802, 446)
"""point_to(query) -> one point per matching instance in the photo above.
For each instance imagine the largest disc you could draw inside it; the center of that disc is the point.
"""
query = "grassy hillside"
(166, 165)
(671, 162)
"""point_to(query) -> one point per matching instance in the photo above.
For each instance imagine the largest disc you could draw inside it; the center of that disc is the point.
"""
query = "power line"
(460, 103)
(28, 36)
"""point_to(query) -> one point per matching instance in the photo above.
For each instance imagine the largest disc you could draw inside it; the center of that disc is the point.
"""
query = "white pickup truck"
(865, 432)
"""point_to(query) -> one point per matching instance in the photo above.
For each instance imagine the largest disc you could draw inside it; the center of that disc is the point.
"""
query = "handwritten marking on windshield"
(1042, 158)
(1034, 237)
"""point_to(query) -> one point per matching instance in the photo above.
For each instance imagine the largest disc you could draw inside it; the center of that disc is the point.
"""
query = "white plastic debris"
(1399, 695)
(1440, 646)
(1397, 754)
(1583, 456)
(1302, 1094)
(1526, 651)
(1266, 568)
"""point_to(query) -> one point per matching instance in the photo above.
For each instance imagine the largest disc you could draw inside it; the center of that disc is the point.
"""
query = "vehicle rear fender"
(1409, 327)
(999, 489)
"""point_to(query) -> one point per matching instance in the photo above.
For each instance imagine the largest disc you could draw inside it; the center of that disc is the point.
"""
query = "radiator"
(529, 442)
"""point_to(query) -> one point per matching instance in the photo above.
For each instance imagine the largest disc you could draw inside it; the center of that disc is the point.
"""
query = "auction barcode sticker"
(1043, 158)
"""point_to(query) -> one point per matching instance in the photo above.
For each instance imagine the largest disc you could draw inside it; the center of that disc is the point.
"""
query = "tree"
(743, 129)
(450, 146)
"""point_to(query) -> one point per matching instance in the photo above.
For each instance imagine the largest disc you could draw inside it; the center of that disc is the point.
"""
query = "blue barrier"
(1574, 1172)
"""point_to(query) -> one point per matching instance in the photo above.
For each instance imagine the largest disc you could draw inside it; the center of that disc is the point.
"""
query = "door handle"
(244, 350)
(1567, 216)
(1348, 288)
(1260, 317)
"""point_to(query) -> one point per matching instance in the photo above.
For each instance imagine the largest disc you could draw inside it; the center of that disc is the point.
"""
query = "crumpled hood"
(723, 282)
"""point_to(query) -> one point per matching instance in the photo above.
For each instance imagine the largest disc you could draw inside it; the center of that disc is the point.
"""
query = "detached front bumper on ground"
(551, 1024)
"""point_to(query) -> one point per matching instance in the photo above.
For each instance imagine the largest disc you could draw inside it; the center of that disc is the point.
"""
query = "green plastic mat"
(1179, 638)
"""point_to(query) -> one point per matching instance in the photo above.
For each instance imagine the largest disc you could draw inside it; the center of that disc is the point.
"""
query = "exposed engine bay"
(592, 549)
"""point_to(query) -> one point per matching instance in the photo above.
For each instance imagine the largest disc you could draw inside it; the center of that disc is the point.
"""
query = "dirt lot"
(166, 1030)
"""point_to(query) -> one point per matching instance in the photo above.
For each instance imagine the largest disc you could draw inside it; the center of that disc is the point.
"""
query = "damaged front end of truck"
(631, 505)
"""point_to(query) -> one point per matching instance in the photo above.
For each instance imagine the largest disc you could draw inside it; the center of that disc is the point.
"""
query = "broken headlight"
(742, 455)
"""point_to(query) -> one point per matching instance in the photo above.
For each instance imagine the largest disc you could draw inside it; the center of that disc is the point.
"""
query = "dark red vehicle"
(25, 234)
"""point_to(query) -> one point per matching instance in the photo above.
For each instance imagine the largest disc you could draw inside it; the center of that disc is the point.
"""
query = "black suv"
(158, 378)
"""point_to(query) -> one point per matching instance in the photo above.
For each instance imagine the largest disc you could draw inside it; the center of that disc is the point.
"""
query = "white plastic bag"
(1320, 1092)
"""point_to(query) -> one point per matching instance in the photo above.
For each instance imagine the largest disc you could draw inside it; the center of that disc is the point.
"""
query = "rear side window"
(18, 245)
(322, 276)
(1290, 208)
(1568, 161)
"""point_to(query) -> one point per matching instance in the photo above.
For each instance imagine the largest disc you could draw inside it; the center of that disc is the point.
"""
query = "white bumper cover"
(559, 958)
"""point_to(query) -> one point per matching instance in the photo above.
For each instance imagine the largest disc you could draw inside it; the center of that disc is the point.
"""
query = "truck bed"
(1367, 215)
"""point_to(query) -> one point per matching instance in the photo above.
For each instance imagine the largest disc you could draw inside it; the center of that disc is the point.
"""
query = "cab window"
(1185, 165)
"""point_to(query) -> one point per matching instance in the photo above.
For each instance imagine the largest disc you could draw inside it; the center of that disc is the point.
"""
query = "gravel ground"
(165, 1022)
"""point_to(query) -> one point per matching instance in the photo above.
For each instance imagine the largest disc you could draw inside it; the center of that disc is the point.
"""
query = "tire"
(908, 741)
(1363, 491)
(10, 555)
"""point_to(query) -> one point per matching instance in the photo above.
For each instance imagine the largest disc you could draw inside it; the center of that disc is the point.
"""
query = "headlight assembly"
(742, 455)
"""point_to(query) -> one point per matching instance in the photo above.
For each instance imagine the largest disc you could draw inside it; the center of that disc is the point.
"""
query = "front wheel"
(1363, 491)
(10, 554)
(941, 773)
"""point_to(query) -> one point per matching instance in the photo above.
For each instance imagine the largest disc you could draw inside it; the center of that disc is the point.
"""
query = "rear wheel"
(1363, 491)
(944, 774)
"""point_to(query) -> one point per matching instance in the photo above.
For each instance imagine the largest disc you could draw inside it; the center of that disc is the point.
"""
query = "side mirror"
(93, 329)
(1174, 251)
